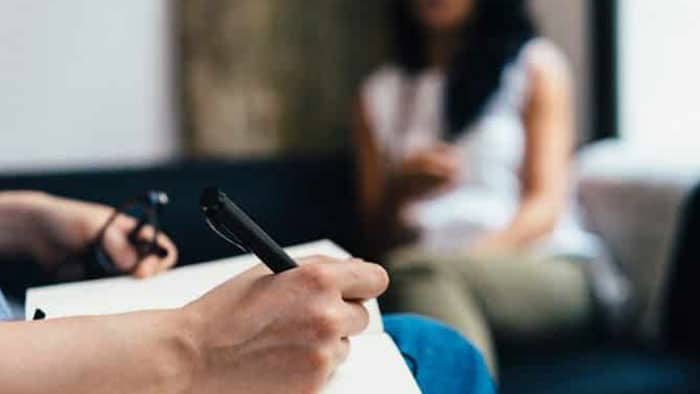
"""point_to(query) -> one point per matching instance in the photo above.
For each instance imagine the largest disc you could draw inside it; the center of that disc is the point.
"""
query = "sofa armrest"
(633, 201)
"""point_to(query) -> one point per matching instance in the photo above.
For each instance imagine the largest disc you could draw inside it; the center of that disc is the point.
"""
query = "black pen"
(232, 224)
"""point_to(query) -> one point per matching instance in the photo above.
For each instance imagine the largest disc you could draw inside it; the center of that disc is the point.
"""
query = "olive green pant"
(521, 298)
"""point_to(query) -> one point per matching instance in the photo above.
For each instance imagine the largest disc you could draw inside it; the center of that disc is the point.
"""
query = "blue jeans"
(442, 361)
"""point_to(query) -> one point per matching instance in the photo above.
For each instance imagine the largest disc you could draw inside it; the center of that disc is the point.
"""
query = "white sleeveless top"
(493, 150)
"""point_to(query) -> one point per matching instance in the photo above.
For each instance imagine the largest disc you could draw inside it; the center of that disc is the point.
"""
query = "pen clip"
(223, 232)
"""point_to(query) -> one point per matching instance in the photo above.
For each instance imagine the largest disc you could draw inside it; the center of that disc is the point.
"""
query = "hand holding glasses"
(97, 263)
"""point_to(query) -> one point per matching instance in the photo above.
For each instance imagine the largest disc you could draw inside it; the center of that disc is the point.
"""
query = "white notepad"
(374, 365)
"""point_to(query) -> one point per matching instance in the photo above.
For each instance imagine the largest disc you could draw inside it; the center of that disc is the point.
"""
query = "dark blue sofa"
(300, 200)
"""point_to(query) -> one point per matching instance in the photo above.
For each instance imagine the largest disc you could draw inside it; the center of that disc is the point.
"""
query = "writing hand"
(285, 333)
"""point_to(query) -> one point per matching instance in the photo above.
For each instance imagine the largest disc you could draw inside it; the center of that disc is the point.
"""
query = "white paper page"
(169, 290)
(374, 366)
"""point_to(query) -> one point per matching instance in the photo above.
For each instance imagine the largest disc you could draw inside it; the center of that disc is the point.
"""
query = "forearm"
(382, 225)
(17, 221)
(376, 227)
(535, 219)
(146, 352)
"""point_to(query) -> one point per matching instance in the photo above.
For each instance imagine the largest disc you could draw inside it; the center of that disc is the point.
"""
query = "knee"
(439, 356)
(405, 266)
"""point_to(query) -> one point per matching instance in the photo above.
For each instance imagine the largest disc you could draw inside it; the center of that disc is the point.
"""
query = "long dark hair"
(492, 37)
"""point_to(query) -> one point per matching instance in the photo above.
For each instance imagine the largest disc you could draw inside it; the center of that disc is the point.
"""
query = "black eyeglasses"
(146, 209)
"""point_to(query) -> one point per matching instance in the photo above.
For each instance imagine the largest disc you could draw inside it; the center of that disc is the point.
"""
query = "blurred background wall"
(85, 83)
(100, 84)
(270, 77)
(659, 69)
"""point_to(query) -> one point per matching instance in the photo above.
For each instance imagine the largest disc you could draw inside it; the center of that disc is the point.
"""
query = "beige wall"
(267, 77)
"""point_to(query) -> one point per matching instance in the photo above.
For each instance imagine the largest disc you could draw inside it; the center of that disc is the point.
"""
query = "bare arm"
(257, 333)
(549, 120)
(15, 222)
(83, 354)
(132, 353)
(371, 182)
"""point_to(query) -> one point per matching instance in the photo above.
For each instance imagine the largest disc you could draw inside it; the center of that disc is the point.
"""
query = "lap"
(520, 295)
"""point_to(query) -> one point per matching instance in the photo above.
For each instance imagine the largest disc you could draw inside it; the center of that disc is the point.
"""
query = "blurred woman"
(464, 146)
